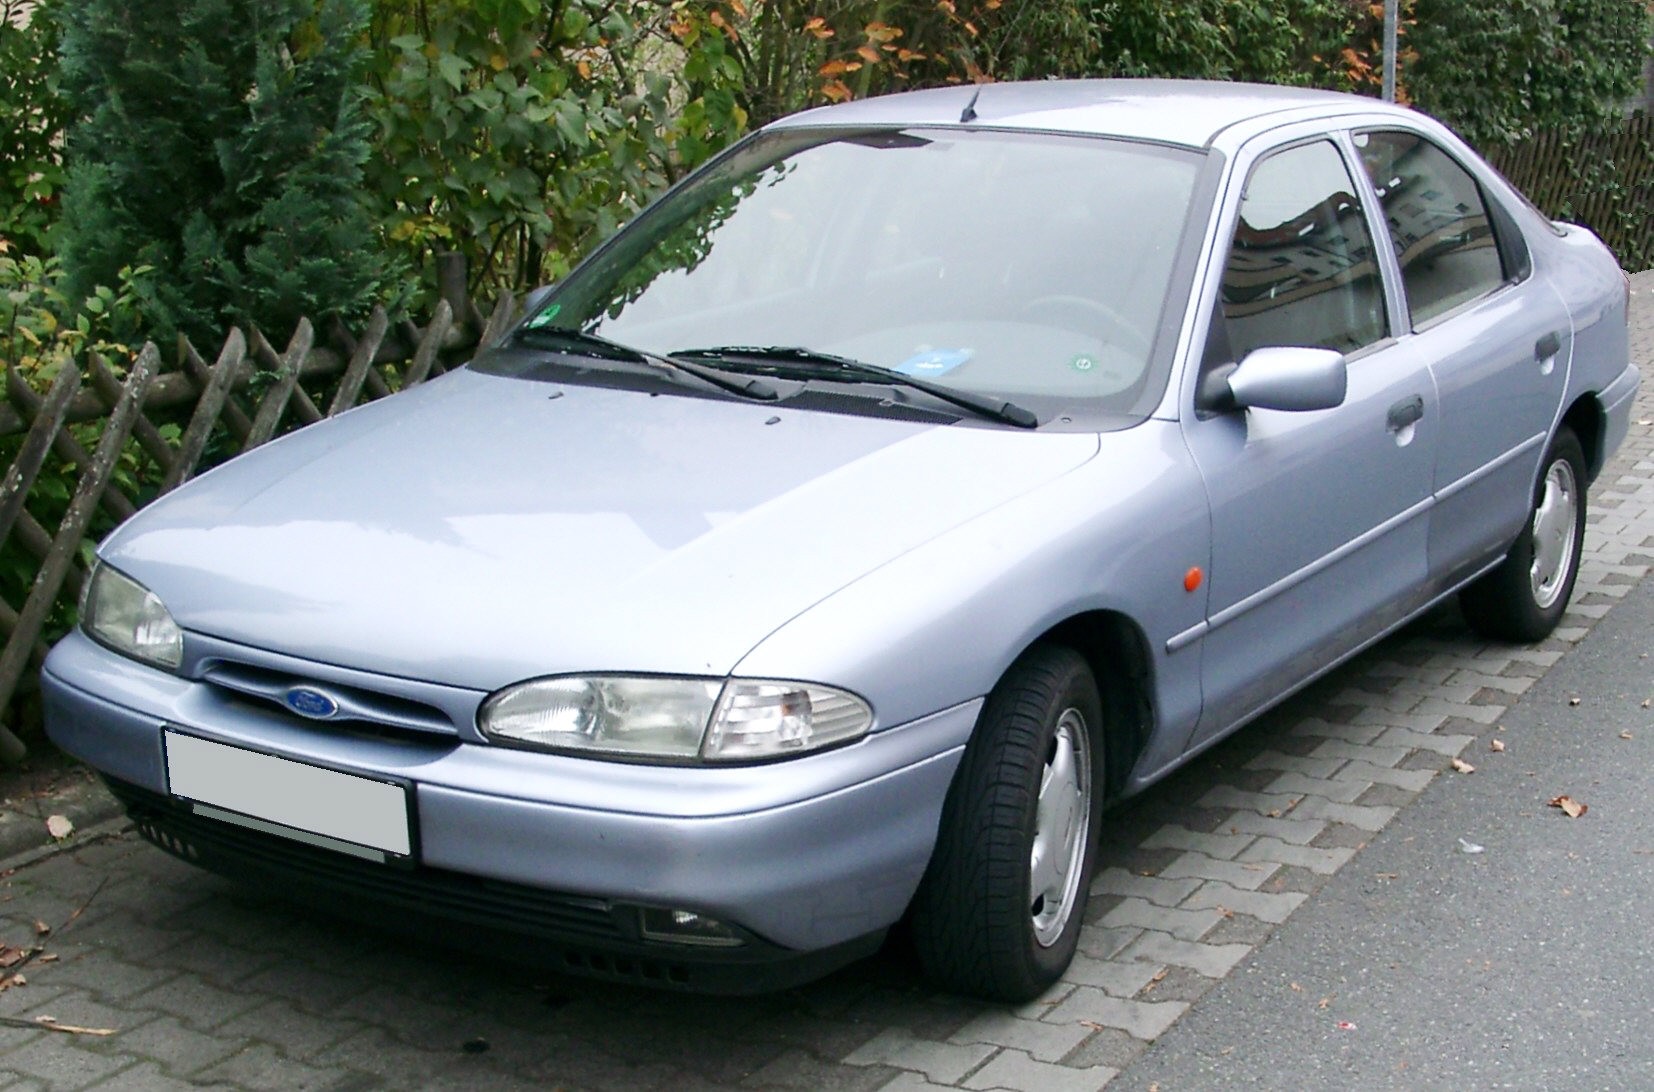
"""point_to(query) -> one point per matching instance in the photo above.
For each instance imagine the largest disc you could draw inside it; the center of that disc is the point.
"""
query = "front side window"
(1031, 267)
(1438, 222)
(1300, 269)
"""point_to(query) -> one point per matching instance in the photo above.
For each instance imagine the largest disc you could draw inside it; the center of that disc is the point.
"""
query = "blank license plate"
(338, 811)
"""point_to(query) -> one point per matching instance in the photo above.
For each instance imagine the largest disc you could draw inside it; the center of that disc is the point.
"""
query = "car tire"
(999, 911)
(1523, 599)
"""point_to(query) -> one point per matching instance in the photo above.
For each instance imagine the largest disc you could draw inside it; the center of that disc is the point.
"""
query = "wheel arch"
(1589, 423)
(1117, 651)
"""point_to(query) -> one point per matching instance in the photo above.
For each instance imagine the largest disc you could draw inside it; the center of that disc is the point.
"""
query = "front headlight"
(125, 616)
(743, 720)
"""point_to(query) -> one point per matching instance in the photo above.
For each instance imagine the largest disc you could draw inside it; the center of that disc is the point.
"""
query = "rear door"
(1498, 342)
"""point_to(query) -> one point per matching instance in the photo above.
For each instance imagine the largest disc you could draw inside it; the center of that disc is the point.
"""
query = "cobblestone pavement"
(202, 982)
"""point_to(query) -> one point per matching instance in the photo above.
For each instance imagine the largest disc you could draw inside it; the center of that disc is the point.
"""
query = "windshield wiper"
(596, 345)
(830, 365)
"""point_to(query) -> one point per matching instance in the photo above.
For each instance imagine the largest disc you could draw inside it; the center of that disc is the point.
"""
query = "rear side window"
(1300, 269)
(1438, 221)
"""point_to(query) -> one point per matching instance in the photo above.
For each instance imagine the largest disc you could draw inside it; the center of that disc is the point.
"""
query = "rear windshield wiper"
(828, 365)
(596, 345)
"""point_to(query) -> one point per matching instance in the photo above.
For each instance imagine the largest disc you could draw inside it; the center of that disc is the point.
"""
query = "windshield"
(1030, 267)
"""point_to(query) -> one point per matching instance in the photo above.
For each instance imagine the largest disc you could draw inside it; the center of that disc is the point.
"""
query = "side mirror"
(1289, 378)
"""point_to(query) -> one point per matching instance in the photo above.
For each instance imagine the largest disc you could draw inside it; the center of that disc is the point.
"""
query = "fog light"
(686, 927)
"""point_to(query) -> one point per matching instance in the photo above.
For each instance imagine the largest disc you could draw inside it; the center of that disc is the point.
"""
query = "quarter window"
(1300, 270)
(1438, 222)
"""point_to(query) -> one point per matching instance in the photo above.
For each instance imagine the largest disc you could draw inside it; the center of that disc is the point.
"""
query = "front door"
(1319, 518)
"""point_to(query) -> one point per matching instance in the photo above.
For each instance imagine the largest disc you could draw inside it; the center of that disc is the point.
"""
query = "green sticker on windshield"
(544, 317)
(1083, 362)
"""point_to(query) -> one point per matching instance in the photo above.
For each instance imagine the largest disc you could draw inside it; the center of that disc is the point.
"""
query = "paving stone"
(908, 1082)
(1367, 818)
(1177, 984)
(1014, 1071)
(61, 1062)
(1285, 763)
(1102, 943)
(146, 1077)
(1324, 861)
(1411, 780)
(1186, 924)
(1229, 797)
(1274, 908)
(196, 1003)
(1166, 892)
(802, 1070)
(263, 1068)
(1448, 745)
(1143, 1019)
(1240, 929)
(1417, 720)
(1108, 1046)
(298, 1034)
(1377, 756)
(1317, 728)
(1173, 836)
(1042, 1005)
(1121, 977)
(943, 1063)
(1386, 796)
(1212, 960)
(1042, 1040)
(1287, 829)
(1199, 866)
(1343, 790)
(178, 1049)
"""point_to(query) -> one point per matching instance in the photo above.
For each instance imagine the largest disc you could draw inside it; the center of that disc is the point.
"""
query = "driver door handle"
(1404, 413)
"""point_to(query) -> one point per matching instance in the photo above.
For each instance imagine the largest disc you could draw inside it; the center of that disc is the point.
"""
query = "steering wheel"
(1062, 309)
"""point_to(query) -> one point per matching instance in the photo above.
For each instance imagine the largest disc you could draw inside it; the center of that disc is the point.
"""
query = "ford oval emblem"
(309, 702)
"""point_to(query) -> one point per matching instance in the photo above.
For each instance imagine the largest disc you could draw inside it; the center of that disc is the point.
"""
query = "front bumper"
(811, 855)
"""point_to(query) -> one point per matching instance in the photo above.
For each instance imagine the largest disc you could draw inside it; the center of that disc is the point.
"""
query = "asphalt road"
(1528, 965)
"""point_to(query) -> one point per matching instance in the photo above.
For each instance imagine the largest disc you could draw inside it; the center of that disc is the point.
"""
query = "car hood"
(481, 529)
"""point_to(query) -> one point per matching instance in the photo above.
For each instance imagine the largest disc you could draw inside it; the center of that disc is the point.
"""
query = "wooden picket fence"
(248, 395)
(1604, 180)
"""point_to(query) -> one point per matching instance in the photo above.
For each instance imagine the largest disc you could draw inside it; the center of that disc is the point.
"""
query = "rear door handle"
(1547, 346)
(1404, 413)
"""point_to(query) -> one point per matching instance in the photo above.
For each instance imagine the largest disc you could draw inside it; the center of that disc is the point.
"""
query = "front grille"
(360, 709)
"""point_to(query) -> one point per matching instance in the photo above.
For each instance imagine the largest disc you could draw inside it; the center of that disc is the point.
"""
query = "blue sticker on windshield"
(933, 362)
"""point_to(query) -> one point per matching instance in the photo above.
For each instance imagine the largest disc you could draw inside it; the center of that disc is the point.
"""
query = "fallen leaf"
(41, 928)
(1462, 766)
(59, 827)
(1388, 875)
(1496, 746)
(1625, 734)
(49, 957)
(1648, 702)
(1161, 977)
(1572, 808)
(1573, 701)
(11, 957)
(1225, 912)
(1323, 1003)
(1295, 988)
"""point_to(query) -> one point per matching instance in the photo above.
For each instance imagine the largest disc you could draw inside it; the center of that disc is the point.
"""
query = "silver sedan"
(836, 540)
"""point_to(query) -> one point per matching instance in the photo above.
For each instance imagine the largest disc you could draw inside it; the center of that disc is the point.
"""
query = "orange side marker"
(1192, 579)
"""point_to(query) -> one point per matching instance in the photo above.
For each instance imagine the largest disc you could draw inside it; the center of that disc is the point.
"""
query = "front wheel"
(1523, 599)
(1000, 909)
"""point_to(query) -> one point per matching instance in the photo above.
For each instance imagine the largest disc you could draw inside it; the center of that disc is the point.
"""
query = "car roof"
(1187, 112)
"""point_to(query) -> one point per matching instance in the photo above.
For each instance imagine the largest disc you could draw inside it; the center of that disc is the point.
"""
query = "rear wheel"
(1523, 599)
(999, 912)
